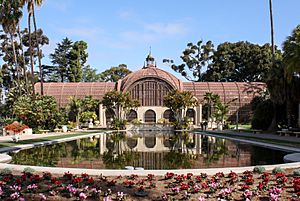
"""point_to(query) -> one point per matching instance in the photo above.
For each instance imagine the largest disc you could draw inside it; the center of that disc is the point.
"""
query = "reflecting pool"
(150, 150)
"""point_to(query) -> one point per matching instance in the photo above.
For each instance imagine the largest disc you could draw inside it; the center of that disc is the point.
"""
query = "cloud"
(167, 28)
(90, 33)
(138, 36)
(58, 5)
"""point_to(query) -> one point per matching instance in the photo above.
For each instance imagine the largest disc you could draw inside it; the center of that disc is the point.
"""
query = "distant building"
(150, 84)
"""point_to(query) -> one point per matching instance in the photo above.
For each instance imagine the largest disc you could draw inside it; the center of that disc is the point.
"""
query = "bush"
(136, 122)
(259, 169)
(296, 172)
(163, 121)
(278, 170)
(263, 115)
(28, 170)
(5, 171)
(118, 124)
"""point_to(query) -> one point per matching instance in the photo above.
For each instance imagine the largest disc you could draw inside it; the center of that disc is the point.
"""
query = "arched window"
(150, 116)
(131, 143)
(169, 114)
(131, 115)
(150, 141)
(190, 113)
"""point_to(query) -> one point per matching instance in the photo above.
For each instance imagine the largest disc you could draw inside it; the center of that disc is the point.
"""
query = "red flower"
(91, 180)
(16, 127)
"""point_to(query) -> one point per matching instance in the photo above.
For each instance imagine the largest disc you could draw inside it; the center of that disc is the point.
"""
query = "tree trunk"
(272, 31)
(39, 53)
(31, 56)
(273, 125)
(23, 58)
(16, 62)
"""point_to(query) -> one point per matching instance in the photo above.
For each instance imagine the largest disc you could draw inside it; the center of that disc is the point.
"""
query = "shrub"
(278, 170)
(5, 171)
(263, 115)
(118, 124)
(163, 121)
(259, 169)
(136, 122)
(29, 170)
(296, 172)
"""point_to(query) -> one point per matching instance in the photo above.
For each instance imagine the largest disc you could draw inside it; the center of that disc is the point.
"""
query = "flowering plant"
(16, 127)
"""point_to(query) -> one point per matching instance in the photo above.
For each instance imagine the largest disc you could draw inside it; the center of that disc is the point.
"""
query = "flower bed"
(15, 127)
(245, 186)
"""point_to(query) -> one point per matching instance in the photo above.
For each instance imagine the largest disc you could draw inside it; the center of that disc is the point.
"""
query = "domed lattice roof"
(152, 72)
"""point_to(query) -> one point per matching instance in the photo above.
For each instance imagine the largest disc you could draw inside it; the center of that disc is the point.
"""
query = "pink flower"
(14, 195)
(1, 191)
(107, 198)
(201, 198)
(247, 193)
(42, 197)
(82, 196)
(273, 197)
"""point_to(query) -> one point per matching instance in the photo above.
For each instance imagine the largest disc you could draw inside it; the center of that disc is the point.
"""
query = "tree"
(119, 102)
(60, 60)
(195, 58)
(114, 73)
(78, 57)
(210, 99)
(179, 102)
(10, 16)
(39, 113)
(240, 62)
(272, 30)
(89, 74)
(291, 55)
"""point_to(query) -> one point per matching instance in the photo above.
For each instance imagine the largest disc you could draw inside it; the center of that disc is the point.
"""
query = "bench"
(288, 133)
(57, 130)
(44, 131)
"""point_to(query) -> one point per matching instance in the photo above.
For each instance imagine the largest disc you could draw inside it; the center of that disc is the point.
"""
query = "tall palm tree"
(38, 3)
(30, 11)
(272, 31)
(10, 16)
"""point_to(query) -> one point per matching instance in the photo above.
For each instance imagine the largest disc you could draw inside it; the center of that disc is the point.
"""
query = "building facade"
(150, 84)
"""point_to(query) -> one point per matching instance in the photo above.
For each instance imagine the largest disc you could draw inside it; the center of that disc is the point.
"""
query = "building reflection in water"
(152, 150)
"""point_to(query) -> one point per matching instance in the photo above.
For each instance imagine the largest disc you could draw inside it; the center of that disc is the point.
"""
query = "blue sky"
(121, 31)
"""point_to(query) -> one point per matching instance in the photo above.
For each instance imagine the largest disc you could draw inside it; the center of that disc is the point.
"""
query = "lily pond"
(148, 150)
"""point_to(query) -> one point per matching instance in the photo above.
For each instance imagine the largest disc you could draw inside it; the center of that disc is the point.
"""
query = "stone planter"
(64, 128)
(15, 137)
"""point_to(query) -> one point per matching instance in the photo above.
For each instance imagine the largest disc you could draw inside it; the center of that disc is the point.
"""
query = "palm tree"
(272, 31)
(38, 3)
(10, 17)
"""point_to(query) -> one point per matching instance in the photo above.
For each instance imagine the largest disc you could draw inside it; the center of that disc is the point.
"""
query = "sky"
(122, 31)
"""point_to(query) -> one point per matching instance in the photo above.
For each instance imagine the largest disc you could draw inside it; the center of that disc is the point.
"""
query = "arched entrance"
(131, 115)
(190, 113)
(150, 116)
(169, 114)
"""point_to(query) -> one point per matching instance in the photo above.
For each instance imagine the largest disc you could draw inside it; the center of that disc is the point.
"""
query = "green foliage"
(60, 60)
(263, 115)
(88, 115)
(178, 102)
(278, 170)
(118, 124)
(118, 101)
(291, 56)
(259, 169)
(163, 121)
(136, 122)
(78, 57)
(296, 172)
(28, 170)
(5, 171)
(240, 62)
(89, 74)
(40, 113)
(114, 73)
(195, 57)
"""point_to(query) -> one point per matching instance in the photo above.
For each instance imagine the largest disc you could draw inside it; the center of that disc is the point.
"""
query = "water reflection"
(150, 150)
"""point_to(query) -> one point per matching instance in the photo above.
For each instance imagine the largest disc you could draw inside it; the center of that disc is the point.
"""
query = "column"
(199, 114)
(102, 117)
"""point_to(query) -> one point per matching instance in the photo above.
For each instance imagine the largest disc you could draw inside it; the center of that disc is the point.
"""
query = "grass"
(43, 139)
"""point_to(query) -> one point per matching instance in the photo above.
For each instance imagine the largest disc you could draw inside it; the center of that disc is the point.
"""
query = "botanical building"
(150, 84)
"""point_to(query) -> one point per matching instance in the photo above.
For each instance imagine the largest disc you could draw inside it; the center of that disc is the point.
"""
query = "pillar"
(102, 117)
(199, 114)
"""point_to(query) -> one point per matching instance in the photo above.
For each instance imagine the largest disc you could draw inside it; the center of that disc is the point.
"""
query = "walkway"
(263, 136)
